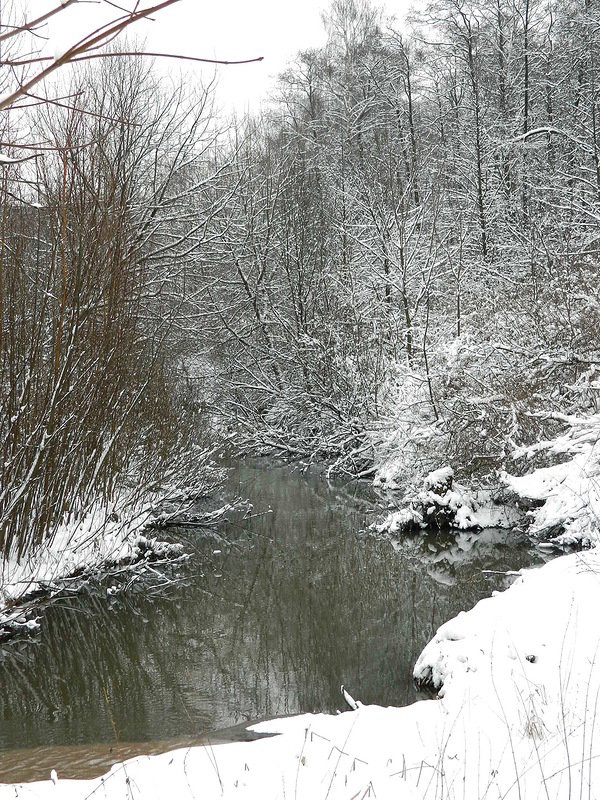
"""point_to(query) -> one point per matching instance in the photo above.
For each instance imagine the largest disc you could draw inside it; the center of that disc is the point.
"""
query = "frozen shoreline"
(558, 503)
(99, 541)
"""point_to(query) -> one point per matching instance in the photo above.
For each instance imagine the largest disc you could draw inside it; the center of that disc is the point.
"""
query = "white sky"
(224, 29)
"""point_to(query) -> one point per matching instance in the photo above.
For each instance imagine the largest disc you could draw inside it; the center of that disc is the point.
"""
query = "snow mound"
(104, 537)
(440, 480)
(569, 491)
(443, 503)
(531, 650)
(98, 537)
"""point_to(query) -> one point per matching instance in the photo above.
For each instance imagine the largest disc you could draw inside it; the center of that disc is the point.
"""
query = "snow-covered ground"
(570, 490)
(101, 538)
(517, 680)
(444, 502)
(567, 493)
(518, 690)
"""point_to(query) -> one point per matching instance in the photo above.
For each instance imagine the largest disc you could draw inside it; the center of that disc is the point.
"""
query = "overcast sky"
(224, 29)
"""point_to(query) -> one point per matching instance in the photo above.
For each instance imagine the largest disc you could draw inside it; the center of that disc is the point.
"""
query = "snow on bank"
(445, 503)
(103, 537)
(569, 491)
(520, 686)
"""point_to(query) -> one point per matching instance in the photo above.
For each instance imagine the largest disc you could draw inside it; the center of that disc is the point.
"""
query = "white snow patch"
(570, 491)
(104, 536)
(438, 478)
(98, 537)
(463, 508)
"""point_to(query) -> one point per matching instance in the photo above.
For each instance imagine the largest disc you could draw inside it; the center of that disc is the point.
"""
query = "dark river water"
(271, 613)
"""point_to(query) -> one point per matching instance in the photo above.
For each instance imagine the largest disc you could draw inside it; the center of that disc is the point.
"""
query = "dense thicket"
(93, 236)
(398, 257)
(408, 257)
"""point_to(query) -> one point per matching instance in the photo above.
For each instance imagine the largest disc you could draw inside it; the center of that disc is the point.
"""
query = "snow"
(442, 500)
(406, 439)
(570, 490)
(350, 701)
(76, 545)
(567, 492)
(398, 454)
(439, 478)
(102, 537)
(518, 688)
(517, 680)
(398, 521)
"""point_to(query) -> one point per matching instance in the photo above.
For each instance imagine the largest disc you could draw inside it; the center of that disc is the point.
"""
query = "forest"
(231, 345)
(397, 255)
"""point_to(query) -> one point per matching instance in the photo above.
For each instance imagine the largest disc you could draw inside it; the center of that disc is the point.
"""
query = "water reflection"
(268, 617)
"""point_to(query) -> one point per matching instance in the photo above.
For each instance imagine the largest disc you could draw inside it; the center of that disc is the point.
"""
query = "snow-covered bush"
(406, 440)
(443, 503)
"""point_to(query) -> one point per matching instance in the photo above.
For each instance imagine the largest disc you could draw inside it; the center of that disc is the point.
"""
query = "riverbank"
(515, 713)
(515, 716)
(556, 496)
(106, 540)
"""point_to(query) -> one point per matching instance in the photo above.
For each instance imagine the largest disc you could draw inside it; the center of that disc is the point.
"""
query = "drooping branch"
(136, 53)
(88, 48)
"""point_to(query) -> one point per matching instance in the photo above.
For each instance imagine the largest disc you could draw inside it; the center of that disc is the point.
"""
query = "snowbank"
(443, 503)
(519, 688)
(567, 493)
(570, 490)
(101, 538)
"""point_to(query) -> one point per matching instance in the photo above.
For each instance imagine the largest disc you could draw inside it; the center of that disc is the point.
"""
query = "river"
(270, 614)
